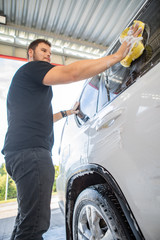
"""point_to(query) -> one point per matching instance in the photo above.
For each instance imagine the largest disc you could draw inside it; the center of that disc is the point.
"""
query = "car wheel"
(96, 217)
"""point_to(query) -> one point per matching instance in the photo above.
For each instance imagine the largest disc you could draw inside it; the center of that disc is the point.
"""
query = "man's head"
(39, 50)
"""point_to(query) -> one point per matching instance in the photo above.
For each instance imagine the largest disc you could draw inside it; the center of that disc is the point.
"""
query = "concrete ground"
(7, 216)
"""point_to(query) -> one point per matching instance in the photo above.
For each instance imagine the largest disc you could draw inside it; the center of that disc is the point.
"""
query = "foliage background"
(12, 192)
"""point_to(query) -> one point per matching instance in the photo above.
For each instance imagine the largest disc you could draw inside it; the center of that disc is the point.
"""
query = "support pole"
(6, 193)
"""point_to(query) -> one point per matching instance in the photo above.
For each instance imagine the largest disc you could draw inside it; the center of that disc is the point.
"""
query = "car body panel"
(118, 144)
(132, 145)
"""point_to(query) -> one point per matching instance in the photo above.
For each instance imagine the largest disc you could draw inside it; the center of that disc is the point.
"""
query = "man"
(29, 138)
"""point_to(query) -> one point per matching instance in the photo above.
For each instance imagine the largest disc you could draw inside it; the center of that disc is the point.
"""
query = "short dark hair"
(35, 43)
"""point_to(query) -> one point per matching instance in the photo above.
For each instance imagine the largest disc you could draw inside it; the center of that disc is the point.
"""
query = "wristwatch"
(64, 114)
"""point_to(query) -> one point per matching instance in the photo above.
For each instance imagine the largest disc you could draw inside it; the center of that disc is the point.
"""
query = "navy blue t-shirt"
(29, 109)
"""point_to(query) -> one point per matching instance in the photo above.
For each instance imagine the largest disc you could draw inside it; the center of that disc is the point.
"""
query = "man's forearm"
(58, 116)
(80, 70)
(87, 68)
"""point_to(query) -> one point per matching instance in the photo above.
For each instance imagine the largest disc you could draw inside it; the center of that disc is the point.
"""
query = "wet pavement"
(7, 217)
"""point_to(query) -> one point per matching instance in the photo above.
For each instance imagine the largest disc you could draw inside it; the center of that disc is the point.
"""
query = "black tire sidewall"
(92, 197)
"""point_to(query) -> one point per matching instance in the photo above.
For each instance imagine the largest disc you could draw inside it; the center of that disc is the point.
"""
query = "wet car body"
(109, 153)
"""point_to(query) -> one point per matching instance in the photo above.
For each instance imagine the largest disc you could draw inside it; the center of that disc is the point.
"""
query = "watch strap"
(64, 114)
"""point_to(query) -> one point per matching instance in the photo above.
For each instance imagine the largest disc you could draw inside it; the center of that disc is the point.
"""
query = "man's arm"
(57, 116)
(87, 68)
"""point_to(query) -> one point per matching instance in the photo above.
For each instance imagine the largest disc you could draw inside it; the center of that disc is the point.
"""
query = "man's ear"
(30, 53)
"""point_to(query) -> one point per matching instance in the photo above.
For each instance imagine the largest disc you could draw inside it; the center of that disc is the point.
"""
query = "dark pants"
(33, 172)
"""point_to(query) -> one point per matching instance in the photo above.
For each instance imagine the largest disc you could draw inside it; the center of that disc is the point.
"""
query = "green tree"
(56, 175)
(3, 170)
(12, 192)
(2, 187)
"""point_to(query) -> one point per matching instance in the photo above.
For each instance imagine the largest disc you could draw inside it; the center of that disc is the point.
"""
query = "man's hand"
(75, 109)
(129, 40)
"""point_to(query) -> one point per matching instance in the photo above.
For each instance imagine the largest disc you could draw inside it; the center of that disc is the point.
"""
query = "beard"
(35, 57)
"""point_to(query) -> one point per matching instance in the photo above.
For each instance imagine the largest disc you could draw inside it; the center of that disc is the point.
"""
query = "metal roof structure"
(84, 28)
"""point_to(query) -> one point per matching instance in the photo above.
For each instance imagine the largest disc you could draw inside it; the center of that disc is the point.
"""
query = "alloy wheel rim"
(92, 225)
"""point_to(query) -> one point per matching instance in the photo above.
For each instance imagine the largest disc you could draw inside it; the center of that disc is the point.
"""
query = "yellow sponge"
(137, 48)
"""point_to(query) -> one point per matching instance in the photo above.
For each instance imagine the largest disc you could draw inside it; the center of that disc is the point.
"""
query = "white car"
(109, 182)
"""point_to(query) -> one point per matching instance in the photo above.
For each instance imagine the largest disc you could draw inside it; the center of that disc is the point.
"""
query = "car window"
(88, 100)
(151, 56)
(118, 78)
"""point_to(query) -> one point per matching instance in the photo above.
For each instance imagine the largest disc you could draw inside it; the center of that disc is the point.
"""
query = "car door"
(81, 123)
(105, 127)
(74, 141)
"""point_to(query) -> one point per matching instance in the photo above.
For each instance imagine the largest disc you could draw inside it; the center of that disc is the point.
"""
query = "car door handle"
(109, 119)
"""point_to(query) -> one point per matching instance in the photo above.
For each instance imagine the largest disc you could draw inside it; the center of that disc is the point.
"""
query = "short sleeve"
(37, 70)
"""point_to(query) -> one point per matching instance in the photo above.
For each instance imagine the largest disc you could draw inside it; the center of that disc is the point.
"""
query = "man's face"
(41, 53)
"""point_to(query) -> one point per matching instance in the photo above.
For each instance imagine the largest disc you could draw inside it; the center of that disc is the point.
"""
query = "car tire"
(96, 217)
